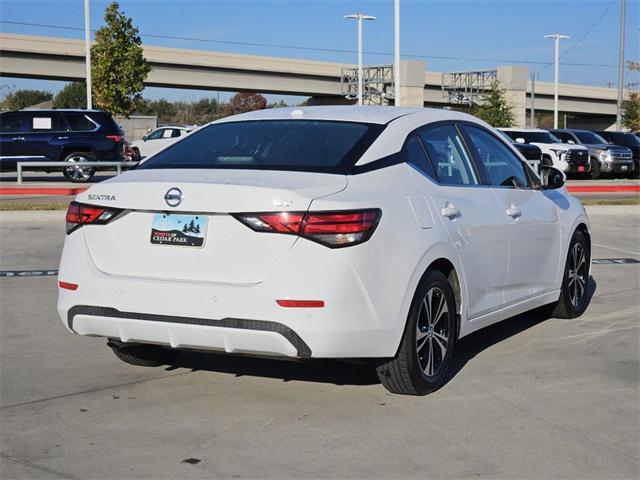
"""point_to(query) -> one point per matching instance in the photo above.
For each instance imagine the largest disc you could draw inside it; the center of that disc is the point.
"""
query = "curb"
(41, 191)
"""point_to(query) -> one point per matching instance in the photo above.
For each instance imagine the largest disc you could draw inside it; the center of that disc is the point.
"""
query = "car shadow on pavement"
(355, 373)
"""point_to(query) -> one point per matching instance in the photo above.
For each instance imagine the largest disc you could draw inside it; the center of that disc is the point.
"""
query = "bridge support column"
(412, 73)
(513, 78)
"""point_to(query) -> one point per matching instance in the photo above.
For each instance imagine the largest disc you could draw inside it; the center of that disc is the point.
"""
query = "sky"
(449, 35)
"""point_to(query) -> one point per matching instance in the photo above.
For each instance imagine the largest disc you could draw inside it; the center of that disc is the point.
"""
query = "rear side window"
(79, 122)
(11, 123)
(501, 166)
(447, 153)
(298, 145)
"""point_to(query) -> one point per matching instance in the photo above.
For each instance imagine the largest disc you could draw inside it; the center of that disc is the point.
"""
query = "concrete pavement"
(529, 398)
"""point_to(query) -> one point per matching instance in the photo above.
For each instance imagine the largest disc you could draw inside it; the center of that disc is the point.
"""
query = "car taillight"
(331, 229)
(115, 138)
(79, 214)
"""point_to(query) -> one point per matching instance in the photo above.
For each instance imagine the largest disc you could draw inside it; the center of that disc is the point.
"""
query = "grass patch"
(11, 206)
(635, 200)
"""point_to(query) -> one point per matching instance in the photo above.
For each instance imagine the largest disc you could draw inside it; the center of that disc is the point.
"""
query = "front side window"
(297, 145)
(501, 166)
(11, 123)
(416, 156)
(448, 155)
(43, 122)
(157, 134)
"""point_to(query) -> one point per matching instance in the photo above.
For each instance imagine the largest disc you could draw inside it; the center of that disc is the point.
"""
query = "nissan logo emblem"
(173, 197)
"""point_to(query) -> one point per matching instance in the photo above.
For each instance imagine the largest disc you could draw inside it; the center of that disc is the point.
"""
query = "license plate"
(581, 168)
(623, 167)
(181, 230)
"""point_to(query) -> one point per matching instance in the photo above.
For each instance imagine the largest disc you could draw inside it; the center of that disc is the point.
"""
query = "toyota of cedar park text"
(378, 233)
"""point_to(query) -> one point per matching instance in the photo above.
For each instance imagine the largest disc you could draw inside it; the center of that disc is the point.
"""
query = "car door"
(12, 137)
(534, 231)
(46, 131)
(470, 213)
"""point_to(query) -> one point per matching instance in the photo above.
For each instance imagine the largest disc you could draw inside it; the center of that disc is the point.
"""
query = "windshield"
(299, 145)
(590, 138)
(535, 137)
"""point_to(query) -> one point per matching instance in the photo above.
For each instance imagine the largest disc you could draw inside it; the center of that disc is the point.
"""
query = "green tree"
(73, 95)
(495, 108)
(631, 106)
(118, 66)
(245, 102)
(25, 98)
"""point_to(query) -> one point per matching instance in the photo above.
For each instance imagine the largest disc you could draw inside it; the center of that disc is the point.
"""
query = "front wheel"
(77, 173)
(426, 350)
(573, 296)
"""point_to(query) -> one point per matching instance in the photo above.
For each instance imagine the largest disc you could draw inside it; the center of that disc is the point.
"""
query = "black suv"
(629, 140)
(605, 158)
(73, 136)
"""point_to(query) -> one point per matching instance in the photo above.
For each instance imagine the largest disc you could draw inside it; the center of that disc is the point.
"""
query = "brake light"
(331, 229)
(115, 138)
(79, 214)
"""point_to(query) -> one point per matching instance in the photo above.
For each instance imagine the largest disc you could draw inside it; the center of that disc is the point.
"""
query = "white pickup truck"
(565, 157)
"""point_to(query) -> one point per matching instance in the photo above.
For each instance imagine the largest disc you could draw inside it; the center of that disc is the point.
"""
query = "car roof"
(524, 130)
(349, 113)
(81, 110)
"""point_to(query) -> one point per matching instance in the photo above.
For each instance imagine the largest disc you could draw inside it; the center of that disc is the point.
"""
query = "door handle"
(18, 138)
(514, 212)
(63, 138)
(450, 211)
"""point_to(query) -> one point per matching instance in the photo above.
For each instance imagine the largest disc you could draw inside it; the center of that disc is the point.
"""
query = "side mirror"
(144, 138)
(550, 177)
(520, 140)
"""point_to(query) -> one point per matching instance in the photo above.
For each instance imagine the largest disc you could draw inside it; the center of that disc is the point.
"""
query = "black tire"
(78, 174)
(143, 355)
(407, 373)
(595, 169)
(574, 297)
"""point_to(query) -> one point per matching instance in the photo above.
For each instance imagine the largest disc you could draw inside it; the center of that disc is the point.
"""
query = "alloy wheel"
(77, 172)
(432, 332)
(577, 274)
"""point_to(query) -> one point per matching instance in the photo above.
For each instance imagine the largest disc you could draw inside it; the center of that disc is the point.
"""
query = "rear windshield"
(299, 145)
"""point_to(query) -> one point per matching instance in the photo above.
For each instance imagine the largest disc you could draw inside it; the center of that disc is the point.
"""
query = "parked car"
(568, 158)
(623, 139)
(158, 139)
(531, 153)
(604, 158)
(324, 232)
(73, 136)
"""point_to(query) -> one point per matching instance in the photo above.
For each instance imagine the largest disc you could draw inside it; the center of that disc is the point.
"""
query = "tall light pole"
(87, 52)
(360, 17)
(620, 68)
(557, 37)
(396, 51)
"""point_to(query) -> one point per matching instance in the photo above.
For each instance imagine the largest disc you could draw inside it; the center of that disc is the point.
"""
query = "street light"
(359, 17)
(557, 37)
(87, 53)
(396, 51)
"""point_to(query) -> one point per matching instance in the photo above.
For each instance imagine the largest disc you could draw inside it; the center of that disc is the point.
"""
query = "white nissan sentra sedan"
(324, 232)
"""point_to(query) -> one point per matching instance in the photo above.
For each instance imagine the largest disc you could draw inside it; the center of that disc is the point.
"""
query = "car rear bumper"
(234, 318)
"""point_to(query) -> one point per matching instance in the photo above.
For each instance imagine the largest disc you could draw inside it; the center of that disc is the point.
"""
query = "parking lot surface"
(530, 397)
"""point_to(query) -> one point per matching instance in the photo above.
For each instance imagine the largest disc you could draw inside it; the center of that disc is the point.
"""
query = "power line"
(317, 49)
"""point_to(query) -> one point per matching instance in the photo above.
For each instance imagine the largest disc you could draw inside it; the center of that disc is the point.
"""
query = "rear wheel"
(425, 353)
(77, 173)
(573, 296)
(143, 355)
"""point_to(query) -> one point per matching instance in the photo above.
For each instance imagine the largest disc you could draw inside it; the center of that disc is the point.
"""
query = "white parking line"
(617, 249)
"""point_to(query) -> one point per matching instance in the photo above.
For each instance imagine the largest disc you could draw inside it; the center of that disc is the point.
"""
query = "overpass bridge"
(57, 58)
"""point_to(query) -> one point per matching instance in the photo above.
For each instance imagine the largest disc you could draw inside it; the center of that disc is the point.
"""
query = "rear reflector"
(68, 286)
(301, 303)
(79, 214)
(333, 229)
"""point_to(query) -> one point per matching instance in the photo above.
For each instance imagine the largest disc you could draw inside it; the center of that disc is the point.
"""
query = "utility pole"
(621, 67)
(557, 37)
(396, 52)
(533, 99)
(360, 17)
(87, 52)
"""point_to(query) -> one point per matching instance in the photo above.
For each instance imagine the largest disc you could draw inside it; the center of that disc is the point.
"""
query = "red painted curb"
(41, 191)
(603, 188)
